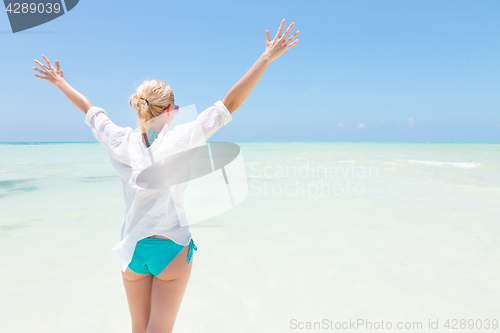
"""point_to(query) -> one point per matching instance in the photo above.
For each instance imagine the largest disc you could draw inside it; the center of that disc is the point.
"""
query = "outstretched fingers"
(290, 45)
(268, 35)
(40, 64)
(292, 37)
(288, 30)
(51, 74)
(41, 77)
(47, 61)
(39, 71)
(280, 29)
(43, 72)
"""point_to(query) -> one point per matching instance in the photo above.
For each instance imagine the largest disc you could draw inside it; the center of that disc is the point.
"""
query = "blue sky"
(402, 71)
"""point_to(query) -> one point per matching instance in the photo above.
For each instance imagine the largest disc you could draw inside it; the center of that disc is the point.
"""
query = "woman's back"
(152, 211)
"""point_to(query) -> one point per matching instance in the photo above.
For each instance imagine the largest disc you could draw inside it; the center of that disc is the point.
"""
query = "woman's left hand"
(52, 74)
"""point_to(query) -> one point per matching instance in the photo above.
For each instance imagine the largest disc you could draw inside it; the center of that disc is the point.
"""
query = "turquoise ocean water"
(328, 233)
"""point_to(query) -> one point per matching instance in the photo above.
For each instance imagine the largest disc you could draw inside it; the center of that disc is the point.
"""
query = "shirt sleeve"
(196, 132)
(213, 118)
(114, 138)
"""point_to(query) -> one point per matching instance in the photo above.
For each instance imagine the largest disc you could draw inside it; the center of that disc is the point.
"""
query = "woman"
(154, 246)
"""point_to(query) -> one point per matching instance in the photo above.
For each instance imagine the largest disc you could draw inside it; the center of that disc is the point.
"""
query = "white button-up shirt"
(151, 211)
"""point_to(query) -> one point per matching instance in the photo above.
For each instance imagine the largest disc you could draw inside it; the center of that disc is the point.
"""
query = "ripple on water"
(16, 186)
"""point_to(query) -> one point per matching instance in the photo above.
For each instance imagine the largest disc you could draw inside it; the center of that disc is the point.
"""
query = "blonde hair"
(151, 98)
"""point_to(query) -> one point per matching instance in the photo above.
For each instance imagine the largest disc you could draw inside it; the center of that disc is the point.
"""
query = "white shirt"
(151, 211)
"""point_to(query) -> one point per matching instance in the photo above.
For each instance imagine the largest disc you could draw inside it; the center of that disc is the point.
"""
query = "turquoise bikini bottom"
(152, 255)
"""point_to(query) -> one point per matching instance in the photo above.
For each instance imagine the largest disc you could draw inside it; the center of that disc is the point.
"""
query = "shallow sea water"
(328, 233)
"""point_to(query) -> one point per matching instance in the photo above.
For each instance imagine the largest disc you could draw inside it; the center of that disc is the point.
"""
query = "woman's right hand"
(51, 74)
(279, 45)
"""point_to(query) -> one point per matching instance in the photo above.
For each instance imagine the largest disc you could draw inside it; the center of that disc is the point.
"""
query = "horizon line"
(97, 142)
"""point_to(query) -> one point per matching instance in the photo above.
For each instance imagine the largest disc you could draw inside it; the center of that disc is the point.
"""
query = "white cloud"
(340, 125)
(411, 122)
(361, 126)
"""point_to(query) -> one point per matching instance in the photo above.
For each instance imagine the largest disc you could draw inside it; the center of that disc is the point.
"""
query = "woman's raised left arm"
(55, 76)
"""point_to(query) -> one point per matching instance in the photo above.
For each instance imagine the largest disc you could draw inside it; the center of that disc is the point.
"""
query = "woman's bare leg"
(138, 289)
(167, 293)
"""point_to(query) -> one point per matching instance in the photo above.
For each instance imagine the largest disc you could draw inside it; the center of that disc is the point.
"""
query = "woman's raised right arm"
(274, 48)
(55, 76)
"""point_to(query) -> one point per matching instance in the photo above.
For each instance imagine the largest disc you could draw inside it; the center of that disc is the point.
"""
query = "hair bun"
(149, 100)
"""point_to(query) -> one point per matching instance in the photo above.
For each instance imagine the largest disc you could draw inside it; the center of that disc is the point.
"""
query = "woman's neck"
(157, 123)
